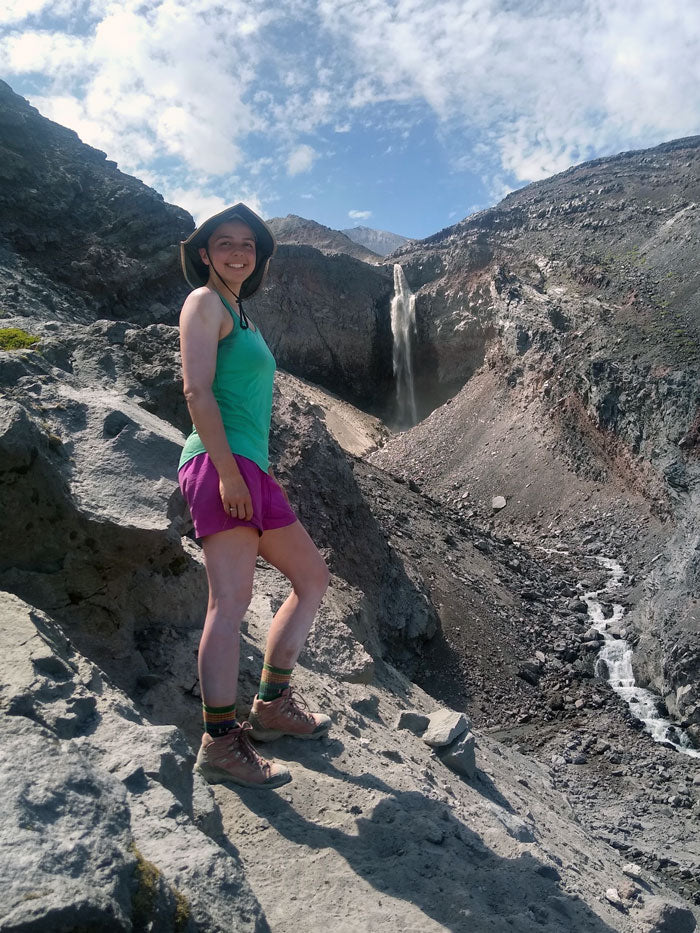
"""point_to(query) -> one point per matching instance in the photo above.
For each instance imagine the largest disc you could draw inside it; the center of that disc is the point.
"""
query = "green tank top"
(242, 387)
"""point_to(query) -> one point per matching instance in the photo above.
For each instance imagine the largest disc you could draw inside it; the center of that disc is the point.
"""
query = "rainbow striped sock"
(273, 681)
(218, 720)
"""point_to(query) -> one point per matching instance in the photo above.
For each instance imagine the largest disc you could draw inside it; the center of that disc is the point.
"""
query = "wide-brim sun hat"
(196, 272)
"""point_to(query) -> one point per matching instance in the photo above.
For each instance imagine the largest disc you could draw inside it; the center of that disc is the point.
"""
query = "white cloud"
(360, 215)
(516, 91)
(202, 204)
(16, 11)
(301, 159)
(42, 51)
(547, 84)
(136, 85)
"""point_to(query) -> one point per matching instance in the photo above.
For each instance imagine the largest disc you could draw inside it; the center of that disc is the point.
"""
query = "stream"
(614, 663)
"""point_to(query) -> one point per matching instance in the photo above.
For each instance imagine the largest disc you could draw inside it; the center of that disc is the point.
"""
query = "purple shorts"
(199, 483)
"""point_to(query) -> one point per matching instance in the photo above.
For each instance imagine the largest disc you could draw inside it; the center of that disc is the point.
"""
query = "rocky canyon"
(485, 769)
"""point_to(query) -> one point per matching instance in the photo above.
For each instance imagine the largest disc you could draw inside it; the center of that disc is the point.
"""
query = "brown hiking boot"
(289, 714)
(231, 757)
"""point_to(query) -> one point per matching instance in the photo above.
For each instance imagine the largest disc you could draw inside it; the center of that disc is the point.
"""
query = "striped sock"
(218, 720)
(273, 681)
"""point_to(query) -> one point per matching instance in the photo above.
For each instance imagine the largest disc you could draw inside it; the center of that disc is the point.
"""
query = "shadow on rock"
(412, 848)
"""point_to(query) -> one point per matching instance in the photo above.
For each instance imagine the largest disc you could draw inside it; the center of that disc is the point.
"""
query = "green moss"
(182, 911)
(145, 897)
(12, 338)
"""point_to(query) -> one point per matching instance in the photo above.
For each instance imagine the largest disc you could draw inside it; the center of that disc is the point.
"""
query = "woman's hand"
(235, 497)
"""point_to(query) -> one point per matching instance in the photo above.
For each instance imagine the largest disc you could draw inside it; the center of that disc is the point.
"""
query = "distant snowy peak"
(379, 241)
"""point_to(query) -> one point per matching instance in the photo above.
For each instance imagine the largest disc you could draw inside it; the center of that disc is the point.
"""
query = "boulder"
(459, 756)
(659, 916)
(444, 726)
(109, 829)
(66, 856)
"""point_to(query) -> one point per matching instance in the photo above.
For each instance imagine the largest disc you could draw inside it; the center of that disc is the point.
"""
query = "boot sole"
(219, 776)
(269, 735)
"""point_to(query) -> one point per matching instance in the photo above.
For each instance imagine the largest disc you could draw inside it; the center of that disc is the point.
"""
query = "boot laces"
(297, 706)
(240, 746)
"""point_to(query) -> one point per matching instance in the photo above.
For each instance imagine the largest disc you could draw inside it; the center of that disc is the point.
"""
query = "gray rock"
(444, 726)
(578, 606)
(658, 916)
(514, 825)
(414, 722)
(498, 503)
(300, 231)
(341, 337)
(367, 705)
(530, 671)
(459, 756)
(331, 646)
(79, 197)
(96, 831)
(66, 858)
(612, 895)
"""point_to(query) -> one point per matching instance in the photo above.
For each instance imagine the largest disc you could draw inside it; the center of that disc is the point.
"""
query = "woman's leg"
(226, 753)
(291, 550)
(276, 711)
(229, 557)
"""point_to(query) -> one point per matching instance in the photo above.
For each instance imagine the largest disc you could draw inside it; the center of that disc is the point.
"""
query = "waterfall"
(403, 325)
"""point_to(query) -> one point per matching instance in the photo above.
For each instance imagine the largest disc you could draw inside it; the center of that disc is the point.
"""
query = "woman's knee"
(313, 582)
(230, 605)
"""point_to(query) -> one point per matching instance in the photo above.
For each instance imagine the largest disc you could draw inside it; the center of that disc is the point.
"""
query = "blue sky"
(404, 115)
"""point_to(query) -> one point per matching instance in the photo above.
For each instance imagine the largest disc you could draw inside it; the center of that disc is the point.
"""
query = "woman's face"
(232, 250)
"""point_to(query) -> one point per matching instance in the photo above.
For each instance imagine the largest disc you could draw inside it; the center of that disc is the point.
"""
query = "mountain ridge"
(380, 241)
(297, 230)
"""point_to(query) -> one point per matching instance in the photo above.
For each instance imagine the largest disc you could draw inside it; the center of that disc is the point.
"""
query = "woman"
(238, 508)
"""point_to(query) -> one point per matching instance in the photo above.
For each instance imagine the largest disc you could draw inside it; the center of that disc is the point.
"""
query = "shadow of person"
(307, 754)
(413, 848)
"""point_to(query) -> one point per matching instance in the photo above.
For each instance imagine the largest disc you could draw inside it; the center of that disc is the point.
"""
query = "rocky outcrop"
(81, 241)
(116, 832)
(668, 656)
(94, 242)
(109, 829)
(93, 422)
(87, 483)
(104, 592)
(111, 572)
(326, 319)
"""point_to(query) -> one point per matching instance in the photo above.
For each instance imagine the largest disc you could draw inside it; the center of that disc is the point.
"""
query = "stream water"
(615, 663)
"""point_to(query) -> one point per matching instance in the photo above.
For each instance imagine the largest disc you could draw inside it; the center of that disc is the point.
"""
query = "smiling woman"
(238, 508)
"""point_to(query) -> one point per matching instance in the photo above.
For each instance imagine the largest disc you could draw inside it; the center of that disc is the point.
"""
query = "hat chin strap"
(244, 320)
